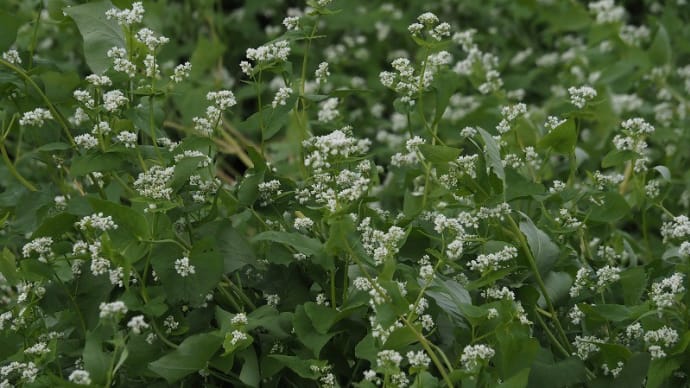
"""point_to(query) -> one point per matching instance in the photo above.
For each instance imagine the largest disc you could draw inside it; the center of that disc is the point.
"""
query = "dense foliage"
(347, 193)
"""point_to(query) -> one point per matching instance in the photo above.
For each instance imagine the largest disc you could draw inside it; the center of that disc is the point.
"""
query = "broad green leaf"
(97, 162)
(633, 373)
(232, 344)
(566, 373)
(8, 266)
(189, 357)
(544, 250)
(96, 360)
(128, 220)
(439, 154)
(633, 283)
(99, 33)
(561, 139)
(307, 333)
(616, 158)
(451, 296)
(232, 245)
(307, 245)
(557, 286)
(492, 155)
(612, 208)
(660, 370)
(300, 366)
(9, 24)
(660, 51)
(518, 380)
(250, 373)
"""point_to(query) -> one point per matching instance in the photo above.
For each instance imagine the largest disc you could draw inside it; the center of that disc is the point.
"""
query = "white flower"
(181, 72)
(276, 51)
(239, 319)
(153, 183)
(493, 261)
(664, 292)
(38, 349)
(148, 38)
(40, 245)
(101, 128)
(303, 224)
(586, 346)
(97, 221)
(80, 377)
(238, 336)
(137, 324)
(129, 139)
(291, 23)
(127, 17)
(120, 61)
(328, 110)
(580, 96)
(114, 100)
(281, 97)
(388, 358)
(184, 268)
(223, 99)
(12, 56)
(35, 117)
(576, 315)
(322, 72)
(272, 299)
(98, 80)
(474, 355)
(109, 310)
(86, 141)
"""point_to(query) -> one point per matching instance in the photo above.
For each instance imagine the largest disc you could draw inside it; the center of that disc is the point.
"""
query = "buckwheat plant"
(335, 194)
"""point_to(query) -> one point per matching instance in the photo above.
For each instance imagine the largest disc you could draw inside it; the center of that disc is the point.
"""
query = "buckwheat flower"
(684, 248)
(79, 116)
(148, 38)
(428, 19)
(151, 68)
(603, 180)
(606, 11)
(120, 61)
(154, 183)
(116, 276)
(426, 272)
(580, 96)
(492, 313)
(454, 249)
(510, 114)
(322, 299)
(170, 324)
(441, 31)
(80, 377)
(657, 340)
(12, 56)
(40, 245)
(113, 309)
(388, 359)
(38, 349)
(99, 266)
(557, 187)
(127, 17)
(677, 228)
(276, 51)
(493, 261)
(114, 100)
(137, 324)
(303, 224)
(35, 117)
(634, 331)
(240, 319)
(291, 23)
(86, 141)
(205, 160)
(328, 110)
(97, 221)
(281, 97)
(184, 268)
(576, 315)
(473, 356)
(85, 98)
(30, 372)
(98, 80)
(181, 72)
(663, 293)
(272, 300)
(246, 68)
(128, 139)
(223, 99)
(498, 293)
(634, 35)
(322, 73)
(101, 128)
(586, 346)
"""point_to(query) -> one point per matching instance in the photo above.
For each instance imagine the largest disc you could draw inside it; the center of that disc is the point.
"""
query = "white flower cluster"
(99, 80)
(380, 245)
(97, 221)
(493, 261)
(634, 35)
(606, 11)
(121, 62)
(510, 114)
(335, 146)
(128, 139)
(476, 59)
(40, 245)
(184, 268)
(189, 154)
(580, 96)
(633, 137)
(412, 156)
(429, 23)
(137, 324)
(113, 309)
(12, 56)
(150, 40)
(586, 346)
(181, 72)
(114, 100)
(204, 188)
(221, 100)
(127, 17)
(603, 180)
(328, 110)
(322, 73)
(388, 358)
(677, 228)
(273, 52)
(303, 224)
(240, 319)
(281, 97)
(80, 377)
(657, 340)
(154, 183)
(594, 281)
(26, 371)
(35, 117)
(664, 292)
(473, 356)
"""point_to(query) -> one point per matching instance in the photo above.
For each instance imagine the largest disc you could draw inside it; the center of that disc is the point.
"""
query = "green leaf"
(660, 370)
(302, 367)
(451, 296)
(561, 139)
(492, 155)
(128, 220)
(189, 357)
(609, 312)
(230, 345)
(613, 207)
(307, 245)
(233, 247)
(616, 158)
(518, 380)
(660, 51)
(544, 250)
(517, 186)
(248, 190)
(101, 162)
(566, 373)
(8, 266)
(557, 286)
(9, 24)
(99, 33)
(96, 361)
(250, 373)
(633, 373)
(439, 154)
(307, 333)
